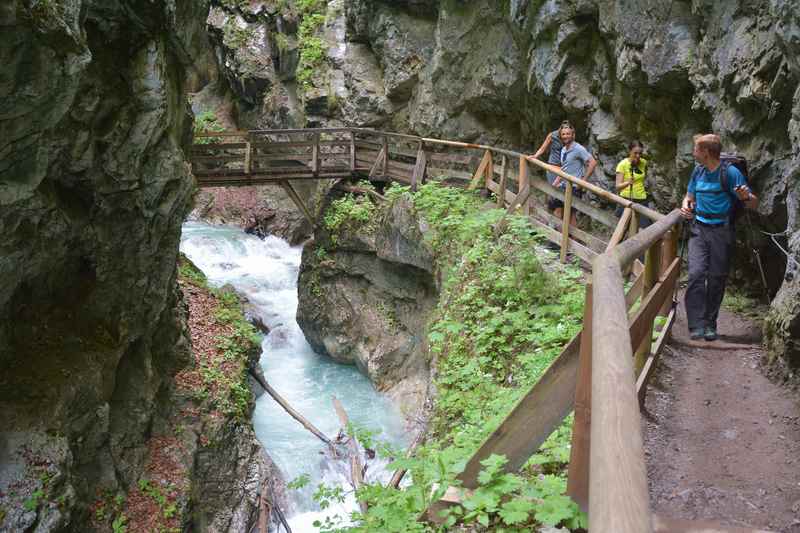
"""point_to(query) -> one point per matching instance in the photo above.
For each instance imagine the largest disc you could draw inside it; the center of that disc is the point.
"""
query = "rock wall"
(365, 295)
(93, 191)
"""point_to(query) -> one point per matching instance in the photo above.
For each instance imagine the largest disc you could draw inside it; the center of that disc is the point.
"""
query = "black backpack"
(728, 160)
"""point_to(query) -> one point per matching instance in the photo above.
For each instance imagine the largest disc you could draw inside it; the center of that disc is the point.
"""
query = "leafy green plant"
(120, 524)
(32, 502)
(349, 212)
(502, 319)
(207, 122)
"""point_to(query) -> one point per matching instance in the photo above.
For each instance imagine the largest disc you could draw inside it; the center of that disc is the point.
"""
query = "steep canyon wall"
(506, 72)
(94, 187)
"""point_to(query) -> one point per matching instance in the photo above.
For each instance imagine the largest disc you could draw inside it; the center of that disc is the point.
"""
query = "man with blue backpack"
(717, 190)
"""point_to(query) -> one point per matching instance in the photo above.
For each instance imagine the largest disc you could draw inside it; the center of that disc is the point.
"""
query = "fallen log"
(294, 414)
(356, 469)
(397, 477)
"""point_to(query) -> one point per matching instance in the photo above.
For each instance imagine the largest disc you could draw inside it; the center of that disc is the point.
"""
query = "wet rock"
(366, 300)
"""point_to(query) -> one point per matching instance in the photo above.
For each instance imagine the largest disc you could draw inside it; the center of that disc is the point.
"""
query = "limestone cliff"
(366, 290)
(93, 190)
(507, 72)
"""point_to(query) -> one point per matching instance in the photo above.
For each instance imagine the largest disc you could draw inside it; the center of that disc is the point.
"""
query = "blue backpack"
(737, 206)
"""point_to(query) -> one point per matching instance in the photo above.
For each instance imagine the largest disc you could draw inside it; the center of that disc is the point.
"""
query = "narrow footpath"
(722, 441)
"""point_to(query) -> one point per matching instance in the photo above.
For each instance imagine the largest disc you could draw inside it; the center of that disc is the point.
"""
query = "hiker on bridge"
(631, 173)
(715, 189)
(573, 159)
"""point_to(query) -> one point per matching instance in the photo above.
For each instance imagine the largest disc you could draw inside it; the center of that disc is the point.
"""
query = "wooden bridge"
(601, 374)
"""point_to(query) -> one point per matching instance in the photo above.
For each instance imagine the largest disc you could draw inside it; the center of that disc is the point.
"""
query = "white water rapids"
(266, 271)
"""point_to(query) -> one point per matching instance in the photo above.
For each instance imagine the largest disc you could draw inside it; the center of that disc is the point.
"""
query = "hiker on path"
(631, 173)
(714, 190)
(573, 159)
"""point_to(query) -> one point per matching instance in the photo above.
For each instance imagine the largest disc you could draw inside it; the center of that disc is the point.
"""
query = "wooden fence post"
(578, 480)
(652, 271)
(385, 155)
(669, 251)
(352, 151)
(523, 183)
(501, 190)
(565, 222)
(247, 155)
(418, 174)
(315, 155)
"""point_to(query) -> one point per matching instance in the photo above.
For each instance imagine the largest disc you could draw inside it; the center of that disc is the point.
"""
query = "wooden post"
(489, 171)
(419, 168)
(352, 151)
(247, 155)
(385, 155)
(480, 173)
(578, 480)
(669, 251)
(315, 155)
(297, 201)
(652, 270)
(619, 231)
(524, 183)
(501, 190)
(380, 163)
(565, 224)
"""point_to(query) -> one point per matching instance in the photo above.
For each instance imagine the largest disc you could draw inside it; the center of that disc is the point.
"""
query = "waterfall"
(265, 271)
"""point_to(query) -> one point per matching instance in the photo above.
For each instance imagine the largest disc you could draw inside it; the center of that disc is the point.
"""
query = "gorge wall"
(93, 190)
(507, 72)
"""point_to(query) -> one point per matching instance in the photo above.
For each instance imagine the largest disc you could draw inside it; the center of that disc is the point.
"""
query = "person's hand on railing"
(687, 208)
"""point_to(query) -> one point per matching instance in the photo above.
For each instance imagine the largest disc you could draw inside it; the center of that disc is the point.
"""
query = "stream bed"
(266, 271)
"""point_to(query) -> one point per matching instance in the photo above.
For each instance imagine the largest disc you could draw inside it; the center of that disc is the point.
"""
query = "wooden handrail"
(618, 494)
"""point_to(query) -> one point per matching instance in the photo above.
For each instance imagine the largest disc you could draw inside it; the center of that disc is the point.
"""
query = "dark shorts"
(555, 203)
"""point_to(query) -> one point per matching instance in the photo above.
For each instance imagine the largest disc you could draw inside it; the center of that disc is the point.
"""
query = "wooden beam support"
(524, 183)
(501, 190)
(619, 231)
(566, 221)
(534, 417)
(480, 172)
(297, 201)
(385, 150)
(315, 155)
(642, 321)
(652, 269)
(353, 151)
(650, 364)
(420, 165)
(578, 480)
(380, 163)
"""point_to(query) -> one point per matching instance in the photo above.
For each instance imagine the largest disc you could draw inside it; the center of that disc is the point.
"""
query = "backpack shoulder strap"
(723, 175)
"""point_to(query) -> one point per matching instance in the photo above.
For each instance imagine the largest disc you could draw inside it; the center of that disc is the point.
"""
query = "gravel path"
(722, 441)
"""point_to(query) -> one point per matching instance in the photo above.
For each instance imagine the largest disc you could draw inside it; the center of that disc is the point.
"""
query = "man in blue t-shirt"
(712, 236)
(575, 161)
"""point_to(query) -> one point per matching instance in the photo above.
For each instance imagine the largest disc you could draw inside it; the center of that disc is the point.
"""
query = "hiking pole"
(751, 243)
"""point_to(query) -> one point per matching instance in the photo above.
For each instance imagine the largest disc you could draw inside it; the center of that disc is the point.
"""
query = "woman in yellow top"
(631, 173)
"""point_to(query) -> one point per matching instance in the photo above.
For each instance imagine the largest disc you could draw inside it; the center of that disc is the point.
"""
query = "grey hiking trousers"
(710, 249)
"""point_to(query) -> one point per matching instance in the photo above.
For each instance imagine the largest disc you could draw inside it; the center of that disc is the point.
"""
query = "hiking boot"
(696, 333)
(710, 334)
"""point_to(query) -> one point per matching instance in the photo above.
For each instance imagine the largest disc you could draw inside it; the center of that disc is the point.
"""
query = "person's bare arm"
(620, 183)
(592, 163)
(687, 207)
(543, 148)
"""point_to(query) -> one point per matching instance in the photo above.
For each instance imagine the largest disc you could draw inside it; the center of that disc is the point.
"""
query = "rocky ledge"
(367, 287)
